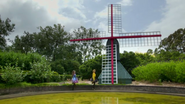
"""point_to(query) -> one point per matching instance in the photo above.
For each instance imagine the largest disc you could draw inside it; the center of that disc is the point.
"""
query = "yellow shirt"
(94, 76)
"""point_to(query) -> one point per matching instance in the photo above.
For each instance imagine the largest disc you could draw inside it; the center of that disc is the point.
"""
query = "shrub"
(68, 77)
(19, 58)
(54, 78)
(12, 74)
(180, 72)
(173, 71)
(1, 79)
(40, 71)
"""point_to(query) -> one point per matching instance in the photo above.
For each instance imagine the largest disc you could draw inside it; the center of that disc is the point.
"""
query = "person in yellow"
(94, 78)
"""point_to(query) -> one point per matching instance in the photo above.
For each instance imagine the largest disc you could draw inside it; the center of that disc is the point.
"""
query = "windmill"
(113, 71)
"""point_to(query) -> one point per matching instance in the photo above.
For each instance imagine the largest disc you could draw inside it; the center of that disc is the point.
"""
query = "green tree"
(144, 58)
(68, 52)
(150, 51)
(65, 66)
(50, 38)
(46, 42)
(5, 29)
(24, 44)
(129, 61)
(88, 49)
(174, 42)
(168, 55)
(86, 68)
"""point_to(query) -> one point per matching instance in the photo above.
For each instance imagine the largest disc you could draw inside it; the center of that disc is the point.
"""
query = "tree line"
(52, 42)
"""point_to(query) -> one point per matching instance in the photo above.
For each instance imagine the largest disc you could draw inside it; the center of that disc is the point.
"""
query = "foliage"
(5, 29)
(65, 66)
(44, 42)
(55, 77)
(144, 58)
(87, 67)
(174, 42)
(88, 50)
(12, 74)
(130, 60)
(24, 43)
(161, 71)
(50, 38)
(51, 42)
(20, 58)
(58, 66)
(162, 55)
(68, 77)
(68, 52)
(1, 79)
(180, 72)
(40, 71)
(26, 84)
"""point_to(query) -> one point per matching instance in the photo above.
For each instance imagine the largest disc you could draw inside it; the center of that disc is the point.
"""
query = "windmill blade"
(86, 38)
(137, 39)
(90, 39)
(116, 18)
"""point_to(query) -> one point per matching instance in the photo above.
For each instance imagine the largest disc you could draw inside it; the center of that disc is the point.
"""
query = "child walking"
(94, 78)
(74, 79)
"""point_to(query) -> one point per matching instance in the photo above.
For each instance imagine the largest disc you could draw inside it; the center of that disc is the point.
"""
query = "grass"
(25, 84)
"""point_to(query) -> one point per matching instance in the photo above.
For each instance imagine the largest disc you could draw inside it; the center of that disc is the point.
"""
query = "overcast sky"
(137, 15)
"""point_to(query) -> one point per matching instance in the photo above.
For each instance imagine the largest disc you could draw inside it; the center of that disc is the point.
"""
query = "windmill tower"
(113, 71)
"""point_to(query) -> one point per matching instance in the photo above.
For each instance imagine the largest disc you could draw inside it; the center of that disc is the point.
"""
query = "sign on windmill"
(113, 71)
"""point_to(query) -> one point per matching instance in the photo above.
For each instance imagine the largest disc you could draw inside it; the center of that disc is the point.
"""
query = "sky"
(165, 16)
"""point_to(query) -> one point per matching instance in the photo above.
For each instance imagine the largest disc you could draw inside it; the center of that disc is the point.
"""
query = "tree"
(86, 68)
(46, 42)
(68, 52)
(163, 55)
(5, 29)
(174, 42)
(150, 51)
(25, 43)
(49, 39)
(88, 50)
(129, 61)
(144, 58)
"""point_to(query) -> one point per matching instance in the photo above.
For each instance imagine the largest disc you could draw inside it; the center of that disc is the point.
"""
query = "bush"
(1, 79)
(54, 78)
(12, 74)
(66, 77)
(19, 58)
(40, 71)
(180, 72)
(173, 71)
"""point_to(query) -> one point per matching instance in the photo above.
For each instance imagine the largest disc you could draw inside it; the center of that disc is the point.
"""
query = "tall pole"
(112, 42)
